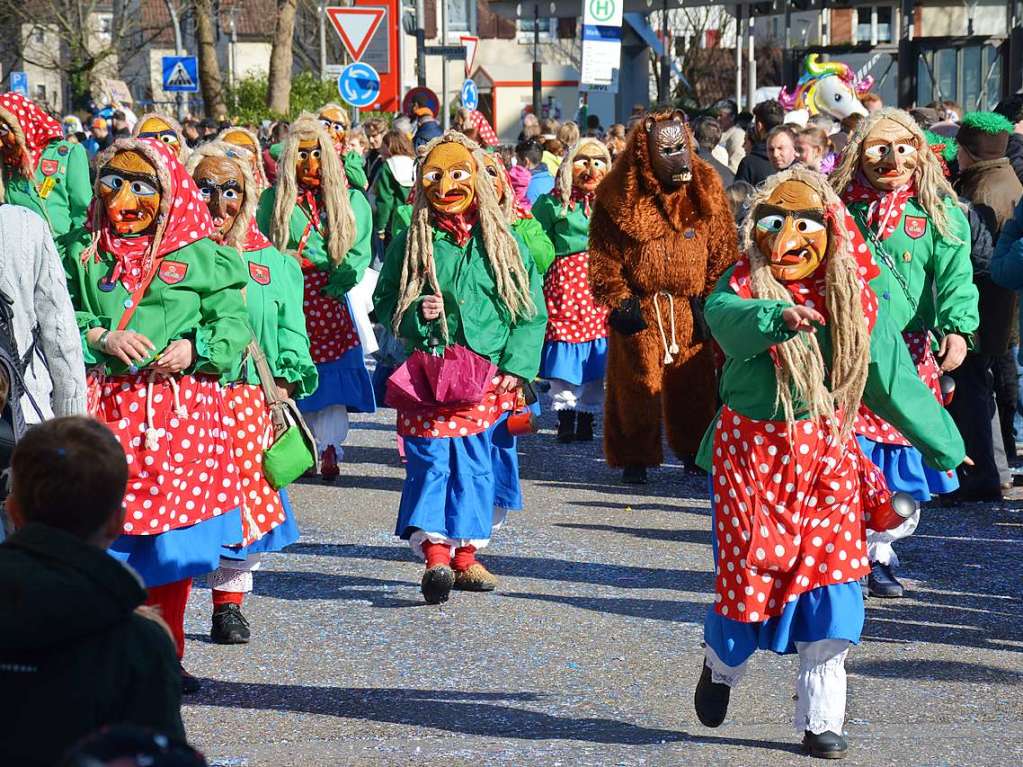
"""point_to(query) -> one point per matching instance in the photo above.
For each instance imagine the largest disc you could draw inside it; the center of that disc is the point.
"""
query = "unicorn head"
(827, 88)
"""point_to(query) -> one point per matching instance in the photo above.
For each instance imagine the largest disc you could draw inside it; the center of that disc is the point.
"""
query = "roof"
(253, 19)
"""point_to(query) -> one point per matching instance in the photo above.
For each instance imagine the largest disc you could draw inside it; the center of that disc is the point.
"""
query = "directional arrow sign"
(355, 27)
(471, 44)
(359, 84)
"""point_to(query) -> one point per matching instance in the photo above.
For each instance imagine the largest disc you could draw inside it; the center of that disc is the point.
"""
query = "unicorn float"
(827, 87)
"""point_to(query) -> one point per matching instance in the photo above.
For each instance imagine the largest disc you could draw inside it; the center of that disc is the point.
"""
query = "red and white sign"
(355, 27)
(472, 45)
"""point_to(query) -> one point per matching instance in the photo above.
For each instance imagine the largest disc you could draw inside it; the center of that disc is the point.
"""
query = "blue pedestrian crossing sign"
(470, 95)
(359, 84)
(19, 83)
(180, 74)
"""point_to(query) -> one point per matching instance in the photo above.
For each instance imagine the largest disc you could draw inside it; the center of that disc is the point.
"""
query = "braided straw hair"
(931, 186)
(418, 270)
(800, 366)
(242, 159)
(563, 181)
(333, 188)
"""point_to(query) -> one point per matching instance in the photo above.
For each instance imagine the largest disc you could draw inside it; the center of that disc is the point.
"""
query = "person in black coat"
(76, 652)
(756, 165)
(1012, 110)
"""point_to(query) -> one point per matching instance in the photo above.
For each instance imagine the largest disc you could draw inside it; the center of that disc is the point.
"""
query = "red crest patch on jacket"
(173, 272)
(49, 167)
(916, 226)
(260, 273)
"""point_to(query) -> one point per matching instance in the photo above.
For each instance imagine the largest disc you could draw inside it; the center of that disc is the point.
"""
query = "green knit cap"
(986, 122)
(985, 135)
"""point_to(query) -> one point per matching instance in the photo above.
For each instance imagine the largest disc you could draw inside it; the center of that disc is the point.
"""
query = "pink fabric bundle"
(520, 182)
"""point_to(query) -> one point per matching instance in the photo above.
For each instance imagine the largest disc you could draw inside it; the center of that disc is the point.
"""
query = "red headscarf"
(37, 126)
(254, 239)
(183, 218)
(884, 209)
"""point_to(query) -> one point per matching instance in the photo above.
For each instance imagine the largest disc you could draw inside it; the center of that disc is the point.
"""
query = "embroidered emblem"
(260, 273)
(173, 272)
(49, 167)
(916, 226)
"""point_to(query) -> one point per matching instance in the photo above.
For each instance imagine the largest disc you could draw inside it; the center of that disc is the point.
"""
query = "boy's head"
(530, 153)
(70, 473)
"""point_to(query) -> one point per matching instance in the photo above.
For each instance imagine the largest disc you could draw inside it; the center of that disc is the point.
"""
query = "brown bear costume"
(661, 235)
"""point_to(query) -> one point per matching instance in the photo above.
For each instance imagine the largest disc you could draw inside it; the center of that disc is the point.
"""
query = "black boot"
(229, 625)
(584, 428)
(634, 475)
(882, 583)
(711, 699)
(566, 425)
(190, 685)
(437, 583)
(827, 745)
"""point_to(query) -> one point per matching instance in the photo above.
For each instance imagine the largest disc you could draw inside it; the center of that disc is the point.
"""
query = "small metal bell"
(947, 384)
(904, 505)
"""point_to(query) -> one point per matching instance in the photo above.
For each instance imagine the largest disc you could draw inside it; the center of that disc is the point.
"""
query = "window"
(40, 94)
(461, 15)
(874, 24)
(39, 35)
(548, 28)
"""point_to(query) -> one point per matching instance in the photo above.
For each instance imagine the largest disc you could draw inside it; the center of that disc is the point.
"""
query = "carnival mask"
(222, 186)
(496, 172)
(790, 231)
(9, 149)
(130, 191)
(588, 168)
(449, 178)
(307, 165)
(157, 128)
(668, 141)
(890, 156)
(335, 121)
(242, 139)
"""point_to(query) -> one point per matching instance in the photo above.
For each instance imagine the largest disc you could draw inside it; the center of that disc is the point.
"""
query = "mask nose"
(789, 238)
(445, 184)
(122, 200)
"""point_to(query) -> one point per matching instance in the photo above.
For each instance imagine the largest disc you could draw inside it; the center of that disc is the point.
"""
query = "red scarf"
(38, 127)
(458, 225)
(811, 290)
(577, 196)
(254, 239)
(884, 209)
(187, 221)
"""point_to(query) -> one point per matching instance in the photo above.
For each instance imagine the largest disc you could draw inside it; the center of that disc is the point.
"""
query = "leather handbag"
(293, 450)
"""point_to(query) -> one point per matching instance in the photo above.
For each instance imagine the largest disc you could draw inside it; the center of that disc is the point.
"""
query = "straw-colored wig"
(242, 159)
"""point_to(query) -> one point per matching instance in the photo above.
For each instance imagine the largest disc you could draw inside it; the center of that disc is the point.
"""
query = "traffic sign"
(19, 83)
(431, 100)
(359, 84)
(471, 44)
(180, 74)
(447, 51)
(356, 26)
(602, 45)
(470, 95)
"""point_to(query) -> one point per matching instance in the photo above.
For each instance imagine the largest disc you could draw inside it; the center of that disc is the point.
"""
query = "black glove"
(627, 319)
(701, 332)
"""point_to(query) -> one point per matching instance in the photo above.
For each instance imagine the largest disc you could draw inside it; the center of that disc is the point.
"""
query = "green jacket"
(72, 645)
(196, 295)
(389, 196)
(349, 272)
(274, 298)
(570, 232)
(746, 329)
(475, 317)
(401, 219)
(937, 271)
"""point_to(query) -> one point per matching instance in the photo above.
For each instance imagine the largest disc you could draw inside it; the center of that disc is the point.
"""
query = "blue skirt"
(181, 553)
(453, 483)
(345, 381)
(574, 363)
(905, 471)
(283, 535)
(827, 612)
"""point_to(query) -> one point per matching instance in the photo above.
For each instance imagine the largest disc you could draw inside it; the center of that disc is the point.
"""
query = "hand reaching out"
(802, 318)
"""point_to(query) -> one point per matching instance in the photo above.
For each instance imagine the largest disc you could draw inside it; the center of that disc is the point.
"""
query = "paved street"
(589, 651)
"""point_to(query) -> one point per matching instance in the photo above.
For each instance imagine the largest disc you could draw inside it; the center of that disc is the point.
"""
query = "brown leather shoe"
(475, 578)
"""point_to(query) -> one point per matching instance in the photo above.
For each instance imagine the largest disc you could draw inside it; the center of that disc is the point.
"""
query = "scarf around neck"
(458, 225)
(884, 209)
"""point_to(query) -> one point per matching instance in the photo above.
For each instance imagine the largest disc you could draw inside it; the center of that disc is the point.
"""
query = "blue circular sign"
(470, 95)
(359, 84)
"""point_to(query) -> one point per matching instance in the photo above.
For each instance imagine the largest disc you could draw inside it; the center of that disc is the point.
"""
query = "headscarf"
(183, 217)
(254, 238)
(884, 209)
(32, 125)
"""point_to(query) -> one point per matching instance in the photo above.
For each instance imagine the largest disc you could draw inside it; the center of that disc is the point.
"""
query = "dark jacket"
(992, 190)
(1015, 154)
(427, 131)
(755, 167)
(727, 177)
(74, 654)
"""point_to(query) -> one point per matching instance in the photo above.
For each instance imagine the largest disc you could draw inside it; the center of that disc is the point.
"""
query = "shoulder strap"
(266, 378)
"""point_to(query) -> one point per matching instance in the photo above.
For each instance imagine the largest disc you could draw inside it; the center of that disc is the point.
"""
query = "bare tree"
(209, 66)
(278, 96)
(89, 37)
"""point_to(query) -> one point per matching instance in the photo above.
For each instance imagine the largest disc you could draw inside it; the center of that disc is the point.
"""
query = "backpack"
(12, 381)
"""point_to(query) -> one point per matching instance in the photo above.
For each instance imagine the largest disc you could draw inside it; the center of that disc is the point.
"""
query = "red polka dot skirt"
(873, 426)
(327, 320)
(249, 423)
(789, 508)
(572, 314)
(175, 438)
